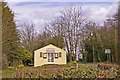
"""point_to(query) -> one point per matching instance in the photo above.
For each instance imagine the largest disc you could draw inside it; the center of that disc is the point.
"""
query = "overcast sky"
(43, 12)
(62, 0)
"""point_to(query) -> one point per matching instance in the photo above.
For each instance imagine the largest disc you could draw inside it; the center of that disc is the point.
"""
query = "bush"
(21, 65)
(74, 62)
(71, 64)
(24, 55)
(87, 71)
(11, 68)
(106, 66)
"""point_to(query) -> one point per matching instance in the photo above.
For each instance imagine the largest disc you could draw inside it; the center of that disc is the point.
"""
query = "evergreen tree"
(10, 37)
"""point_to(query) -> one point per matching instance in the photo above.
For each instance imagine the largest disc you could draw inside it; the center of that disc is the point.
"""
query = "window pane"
(44, 55)
(48, 55)
(56, 55)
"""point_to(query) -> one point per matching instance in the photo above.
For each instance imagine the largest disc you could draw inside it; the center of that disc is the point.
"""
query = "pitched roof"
(48, 46)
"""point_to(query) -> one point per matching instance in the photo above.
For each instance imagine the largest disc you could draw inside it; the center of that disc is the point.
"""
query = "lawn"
(63, 71)
(7, 73)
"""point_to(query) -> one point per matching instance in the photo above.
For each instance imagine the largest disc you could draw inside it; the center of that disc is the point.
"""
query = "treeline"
(71, 31)
(87, 37)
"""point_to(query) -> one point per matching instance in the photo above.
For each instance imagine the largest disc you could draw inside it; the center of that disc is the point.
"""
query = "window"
(44, 55)
(56, 55)
(60, 55)
(40, 54)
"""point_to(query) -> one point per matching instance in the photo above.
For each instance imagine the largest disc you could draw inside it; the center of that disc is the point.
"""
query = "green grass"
(87, 66)
(52, 66)
(29, 67)
(43, 67)
(8, 73)
(0, 73)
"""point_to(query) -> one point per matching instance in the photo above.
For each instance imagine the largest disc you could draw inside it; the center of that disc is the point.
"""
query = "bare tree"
(42, 38)
(69, 26)
(27, 35)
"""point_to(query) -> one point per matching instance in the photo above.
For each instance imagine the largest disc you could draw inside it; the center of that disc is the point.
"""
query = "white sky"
(41, 13)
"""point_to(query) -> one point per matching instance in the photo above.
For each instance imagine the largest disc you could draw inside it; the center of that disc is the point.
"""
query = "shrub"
(24, 55)
(21, 65)
(74, 62)
(88, 71)
(11, 68)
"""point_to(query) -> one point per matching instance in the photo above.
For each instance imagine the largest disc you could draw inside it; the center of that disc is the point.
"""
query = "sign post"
(107, 51)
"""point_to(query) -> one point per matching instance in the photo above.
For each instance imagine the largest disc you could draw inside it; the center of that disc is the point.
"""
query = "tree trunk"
(116, 54)
(99, 58)
(113, 58)
(85, 57)
(70, 57)
(93, 54)
(4, 61)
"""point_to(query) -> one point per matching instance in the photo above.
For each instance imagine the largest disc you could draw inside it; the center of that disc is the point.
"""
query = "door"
(50, 58)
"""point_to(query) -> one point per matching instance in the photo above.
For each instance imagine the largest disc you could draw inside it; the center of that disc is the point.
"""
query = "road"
(87, 64)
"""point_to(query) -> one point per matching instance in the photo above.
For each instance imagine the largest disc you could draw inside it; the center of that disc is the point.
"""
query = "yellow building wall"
(39, 61)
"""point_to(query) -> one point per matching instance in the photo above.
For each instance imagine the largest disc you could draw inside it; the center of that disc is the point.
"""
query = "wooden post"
(77, 65)
(45, 73)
